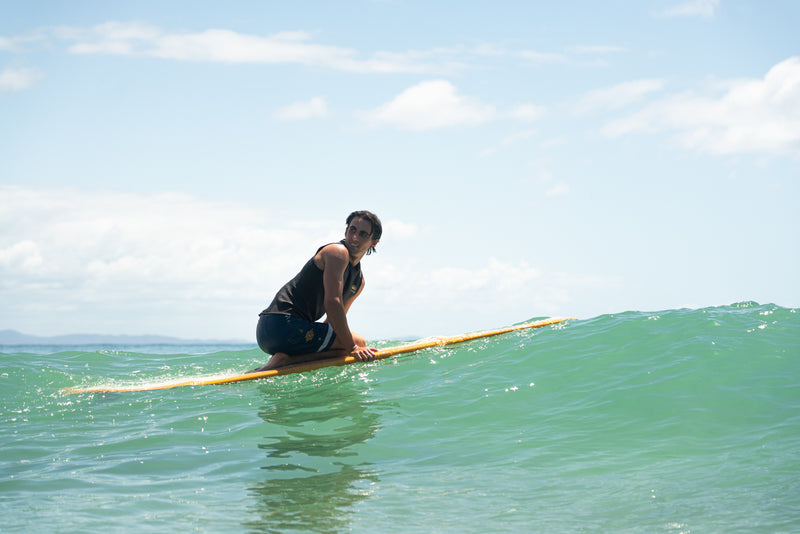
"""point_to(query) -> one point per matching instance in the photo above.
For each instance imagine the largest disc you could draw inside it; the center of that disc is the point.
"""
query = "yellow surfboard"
(310, 366)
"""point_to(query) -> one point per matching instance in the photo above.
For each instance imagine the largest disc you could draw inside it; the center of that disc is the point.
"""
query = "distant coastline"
(12, 337)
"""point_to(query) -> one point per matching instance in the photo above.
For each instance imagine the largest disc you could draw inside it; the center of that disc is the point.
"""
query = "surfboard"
(311, 366)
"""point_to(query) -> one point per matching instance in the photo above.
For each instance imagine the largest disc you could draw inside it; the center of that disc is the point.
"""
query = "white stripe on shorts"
(327, 340)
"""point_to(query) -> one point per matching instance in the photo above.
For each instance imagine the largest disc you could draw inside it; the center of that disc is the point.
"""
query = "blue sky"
(166, 166)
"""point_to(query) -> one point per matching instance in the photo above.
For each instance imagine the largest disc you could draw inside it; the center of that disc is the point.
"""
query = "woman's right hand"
(363, 354)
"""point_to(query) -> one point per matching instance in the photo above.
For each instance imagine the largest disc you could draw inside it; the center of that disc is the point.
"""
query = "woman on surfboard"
(328, 283)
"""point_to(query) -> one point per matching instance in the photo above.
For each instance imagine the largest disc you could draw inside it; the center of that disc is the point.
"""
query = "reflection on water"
(313, 480)
(316, 503)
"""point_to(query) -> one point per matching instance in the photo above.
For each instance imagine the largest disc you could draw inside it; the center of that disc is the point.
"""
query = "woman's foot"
(279, 359)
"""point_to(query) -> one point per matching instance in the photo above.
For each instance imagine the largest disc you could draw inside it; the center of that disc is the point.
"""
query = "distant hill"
(12, 337)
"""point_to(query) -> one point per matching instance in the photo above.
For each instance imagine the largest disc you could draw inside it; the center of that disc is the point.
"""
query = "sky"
(166, 166)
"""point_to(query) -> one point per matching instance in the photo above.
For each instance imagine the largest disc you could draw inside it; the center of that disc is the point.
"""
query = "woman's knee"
(359, 340)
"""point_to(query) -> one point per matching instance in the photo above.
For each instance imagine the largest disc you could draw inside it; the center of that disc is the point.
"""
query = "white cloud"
(311, 109)
(597, 49)
(618, 96)
(542, 57)
(7, 43)
(23, 255)
(65, 235)
(431, 105)
(20, 42)
(692, 8)
(496, 292)
(18, 79)
(437, 104)
(441, 287)
(496, 275)
(490, 50)
(226, 46)
(544, 179)
(527, 112)
(513, 139)
(751, 115)
(558, 190)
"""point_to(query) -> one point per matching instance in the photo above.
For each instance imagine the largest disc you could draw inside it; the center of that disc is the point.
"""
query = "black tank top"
(304, 295)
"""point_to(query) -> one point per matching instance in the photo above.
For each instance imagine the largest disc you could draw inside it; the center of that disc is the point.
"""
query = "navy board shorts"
(291, 335)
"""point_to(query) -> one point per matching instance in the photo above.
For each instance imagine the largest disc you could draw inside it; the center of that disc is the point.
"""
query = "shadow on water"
(313, 477)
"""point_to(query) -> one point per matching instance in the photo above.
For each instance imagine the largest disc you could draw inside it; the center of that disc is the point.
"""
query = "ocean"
(670, 421)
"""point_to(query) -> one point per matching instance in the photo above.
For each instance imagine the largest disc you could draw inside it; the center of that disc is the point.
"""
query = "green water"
(672, 421)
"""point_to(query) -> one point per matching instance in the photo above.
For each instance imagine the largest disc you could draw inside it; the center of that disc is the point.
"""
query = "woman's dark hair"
(373, 220)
